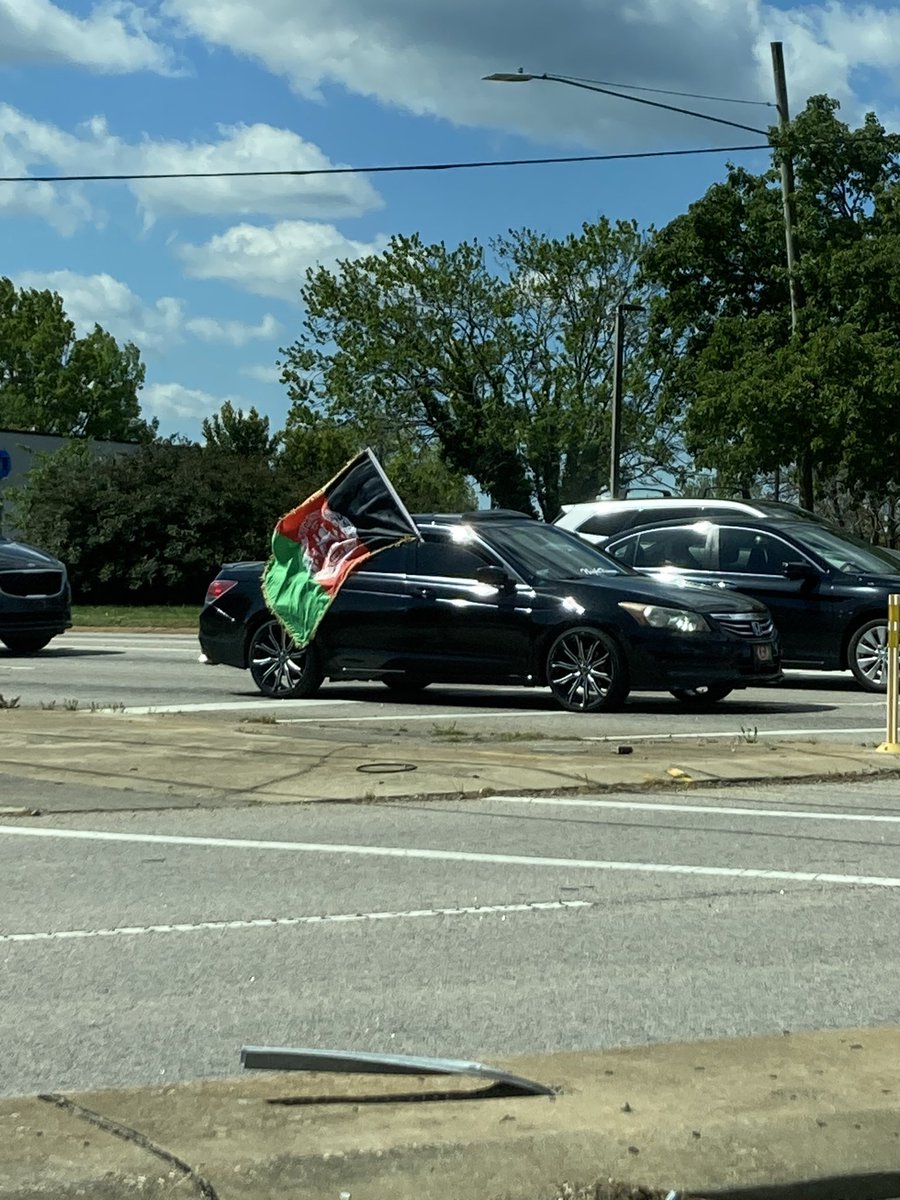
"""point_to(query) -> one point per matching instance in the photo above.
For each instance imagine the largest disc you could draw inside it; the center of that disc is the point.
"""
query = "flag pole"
(390, 487)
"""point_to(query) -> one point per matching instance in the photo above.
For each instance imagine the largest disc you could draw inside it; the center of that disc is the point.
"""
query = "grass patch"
(137, 616)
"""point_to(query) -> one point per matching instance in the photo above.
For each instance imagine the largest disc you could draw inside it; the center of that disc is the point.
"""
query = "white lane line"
(413, 854)
(717, 810)
(821, 731)
(125, 648)
(429, 716)
(144, 710)
(609, 737)
(472, 910)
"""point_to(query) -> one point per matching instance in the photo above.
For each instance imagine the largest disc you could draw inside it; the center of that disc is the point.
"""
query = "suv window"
(606, 524)
(749, 552)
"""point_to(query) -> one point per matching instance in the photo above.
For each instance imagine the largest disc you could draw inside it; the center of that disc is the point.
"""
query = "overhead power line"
(306, 172)
(634, 87)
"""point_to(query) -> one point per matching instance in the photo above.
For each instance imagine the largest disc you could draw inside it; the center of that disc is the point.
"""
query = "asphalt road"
(162, 672)
(463, 930)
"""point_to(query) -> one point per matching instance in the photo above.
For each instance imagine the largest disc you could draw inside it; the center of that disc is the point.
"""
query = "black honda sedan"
(35, 601)
(496, 598)
(827, 591)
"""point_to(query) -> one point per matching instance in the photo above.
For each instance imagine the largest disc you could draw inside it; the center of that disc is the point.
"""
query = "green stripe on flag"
(291, 591)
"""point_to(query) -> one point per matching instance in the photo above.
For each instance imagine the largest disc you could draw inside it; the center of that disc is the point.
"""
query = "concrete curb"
(77, 762)
(707, 1118)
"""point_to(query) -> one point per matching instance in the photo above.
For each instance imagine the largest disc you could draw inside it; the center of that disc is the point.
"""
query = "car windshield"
(844, 552)
(541, 553)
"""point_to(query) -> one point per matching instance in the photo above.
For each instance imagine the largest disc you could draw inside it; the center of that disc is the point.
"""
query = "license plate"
(763, 653)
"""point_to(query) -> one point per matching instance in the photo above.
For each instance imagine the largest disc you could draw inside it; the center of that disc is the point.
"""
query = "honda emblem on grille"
(758, 628)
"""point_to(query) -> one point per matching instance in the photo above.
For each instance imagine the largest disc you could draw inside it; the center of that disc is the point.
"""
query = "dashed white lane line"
(821, 731)
(416, 854)
(142, 710)
(472, 910)
(785, 814)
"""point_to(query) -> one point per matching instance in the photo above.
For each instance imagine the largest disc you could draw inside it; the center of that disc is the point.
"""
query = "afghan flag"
(316, 545)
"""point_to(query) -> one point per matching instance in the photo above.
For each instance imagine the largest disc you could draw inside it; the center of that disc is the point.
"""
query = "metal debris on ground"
(274, 1058)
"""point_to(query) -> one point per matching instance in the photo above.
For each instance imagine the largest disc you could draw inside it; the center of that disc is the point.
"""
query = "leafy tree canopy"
(753, 396)
(56, 383)
(247, 434)
(499, 359)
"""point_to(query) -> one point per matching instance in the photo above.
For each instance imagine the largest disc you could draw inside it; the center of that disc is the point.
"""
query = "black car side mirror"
(495, 577)
(799, 570)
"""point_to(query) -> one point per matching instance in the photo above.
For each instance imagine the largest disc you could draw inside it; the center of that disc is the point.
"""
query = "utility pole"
(615, 445)
(787, 179)
(790, 238)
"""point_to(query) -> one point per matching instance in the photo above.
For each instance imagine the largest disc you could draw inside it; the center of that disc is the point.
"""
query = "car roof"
(777, 509)
(761, 524)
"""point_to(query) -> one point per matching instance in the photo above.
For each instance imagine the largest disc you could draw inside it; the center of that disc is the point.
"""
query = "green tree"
(153, 526)
(753, 397)
(502, 358)
(244, 434)
(54, 382)
(316, 446)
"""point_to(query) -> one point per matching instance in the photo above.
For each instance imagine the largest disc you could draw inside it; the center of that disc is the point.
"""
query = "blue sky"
(205, 275)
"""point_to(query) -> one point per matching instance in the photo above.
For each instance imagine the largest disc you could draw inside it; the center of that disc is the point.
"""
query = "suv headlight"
(675, 620)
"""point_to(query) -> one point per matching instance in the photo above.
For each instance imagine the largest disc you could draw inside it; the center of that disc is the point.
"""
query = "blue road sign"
(5, 463)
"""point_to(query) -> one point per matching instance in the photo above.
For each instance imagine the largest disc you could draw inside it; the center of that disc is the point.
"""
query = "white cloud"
(103, 300)
(236, 333)
(114, 37)
(154, 327)
(30, 146)
(172, 401)
(262, 373)
(429, 57)
(272, 261)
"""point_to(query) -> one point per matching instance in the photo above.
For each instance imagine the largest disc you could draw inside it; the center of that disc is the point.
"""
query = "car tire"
(26, 643)
(585, 670)
(279, 668)
(403, 682)
(710, 693)
(867, 655)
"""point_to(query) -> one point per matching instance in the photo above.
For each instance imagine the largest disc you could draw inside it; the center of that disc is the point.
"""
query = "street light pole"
(615, 445)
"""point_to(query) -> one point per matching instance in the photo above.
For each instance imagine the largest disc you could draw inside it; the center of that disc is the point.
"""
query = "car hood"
(19, 556)
(649, 591)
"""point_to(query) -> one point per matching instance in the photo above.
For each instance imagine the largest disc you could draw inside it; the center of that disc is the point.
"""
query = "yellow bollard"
(892, 744)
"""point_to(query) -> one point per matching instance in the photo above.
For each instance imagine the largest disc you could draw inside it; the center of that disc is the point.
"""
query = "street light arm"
(522, 77)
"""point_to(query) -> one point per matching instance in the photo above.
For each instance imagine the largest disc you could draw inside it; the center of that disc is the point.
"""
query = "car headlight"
(675, 620)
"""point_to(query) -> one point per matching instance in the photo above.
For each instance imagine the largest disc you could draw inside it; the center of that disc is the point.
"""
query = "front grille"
(31, 583)
(747, 625)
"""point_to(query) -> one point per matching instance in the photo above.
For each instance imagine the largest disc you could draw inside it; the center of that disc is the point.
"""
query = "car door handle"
(423, 593)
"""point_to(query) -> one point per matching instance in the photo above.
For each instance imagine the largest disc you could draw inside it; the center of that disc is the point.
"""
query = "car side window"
(397, 560)
(624, 552)
(749, 552)
(684, 549)
(449, 560)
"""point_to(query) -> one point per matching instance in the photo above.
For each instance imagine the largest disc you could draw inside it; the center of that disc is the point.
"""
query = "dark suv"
(827, 591)
(496, 598)
(34, 597)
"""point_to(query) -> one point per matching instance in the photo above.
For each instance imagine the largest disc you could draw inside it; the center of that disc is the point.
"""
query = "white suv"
(600, 520)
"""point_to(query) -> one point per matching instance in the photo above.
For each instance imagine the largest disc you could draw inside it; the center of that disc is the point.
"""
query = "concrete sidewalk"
(97, 760)
(704, 1117)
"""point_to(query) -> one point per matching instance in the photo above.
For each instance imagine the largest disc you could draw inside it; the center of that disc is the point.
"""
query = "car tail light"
(218, 588)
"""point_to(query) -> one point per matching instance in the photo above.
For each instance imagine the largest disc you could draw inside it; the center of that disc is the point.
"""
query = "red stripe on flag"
(328, 540)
